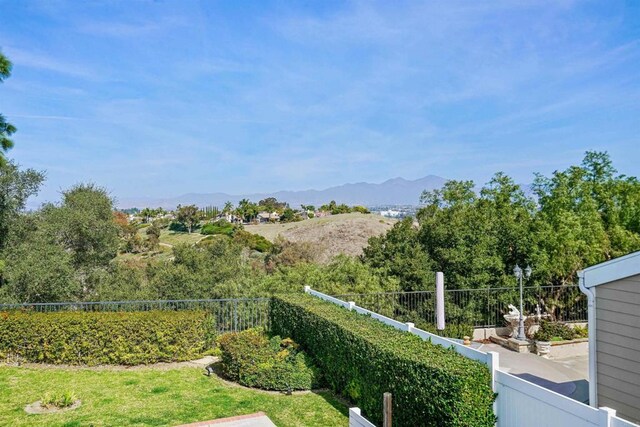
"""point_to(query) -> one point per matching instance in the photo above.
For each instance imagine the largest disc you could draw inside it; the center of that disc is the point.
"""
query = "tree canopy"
(6, 128)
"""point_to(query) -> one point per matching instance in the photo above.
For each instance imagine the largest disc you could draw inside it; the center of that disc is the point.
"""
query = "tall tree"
(16, 186)
(84, 225)
(6, 128)
(189, 216)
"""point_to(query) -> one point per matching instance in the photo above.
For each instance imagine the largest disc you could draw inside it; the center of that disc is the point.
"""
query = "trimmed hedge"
(96, 338)
(255, 360)
(363, 358)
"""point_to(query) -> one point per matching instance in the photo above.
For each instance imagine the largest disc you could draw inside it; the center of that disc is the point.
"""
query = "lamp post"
(517, 271)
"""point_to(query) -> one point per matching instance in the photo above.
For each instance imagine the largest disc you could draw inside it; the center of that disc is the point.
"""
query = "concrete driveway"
(569, 376)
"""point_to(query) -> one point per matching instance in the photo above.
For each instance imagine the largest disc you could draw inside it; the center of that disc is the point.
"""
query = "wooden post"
(387, 410)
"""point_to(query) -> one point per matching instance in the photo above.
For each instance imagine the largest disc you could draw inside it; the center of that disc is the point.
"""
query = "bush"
(363, 358)
(253, 360)
(252, 241)
(90, 338)
(219, 227)
(451, 330)
(555, 331)
(58, 400)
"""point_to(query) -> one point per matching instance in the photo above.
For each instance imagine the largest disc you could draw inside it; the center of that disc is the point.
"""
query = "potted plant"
(542, 338)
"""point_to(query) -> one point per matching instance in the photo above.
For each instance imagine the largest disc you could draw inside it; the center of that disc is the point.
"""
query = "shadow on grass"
(338, 402)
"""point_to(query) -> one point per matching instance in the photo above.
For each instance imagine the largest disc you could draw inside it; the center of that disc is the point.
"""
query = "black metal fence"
(231, 314)
(477, 307)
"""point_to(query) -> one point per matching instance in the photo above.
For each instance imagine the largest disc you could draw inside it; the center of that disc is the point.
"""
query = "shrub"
(451, 330)
(555, 331)
(219, 227)
(58, 400)
(90, 338)
(252, 241)
(363, 358)
(253, 360)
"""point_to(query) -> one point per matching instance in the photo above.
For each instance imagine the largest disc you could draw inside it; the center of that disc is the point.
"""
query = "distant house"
(613, 291)
(264, 217)
(229, 217)
(321, 214)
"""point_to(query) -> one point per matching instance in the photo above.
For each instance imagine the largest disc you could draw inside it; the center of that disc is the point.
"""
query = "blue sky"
(160, 98)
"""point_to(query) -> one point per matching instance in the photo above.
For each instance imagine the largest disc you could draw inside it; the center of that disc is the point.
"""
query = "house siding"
(618, 346)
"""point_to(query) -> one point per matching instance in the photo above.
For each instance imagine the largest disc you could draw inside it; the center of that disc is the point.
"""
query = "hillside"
(345, 233)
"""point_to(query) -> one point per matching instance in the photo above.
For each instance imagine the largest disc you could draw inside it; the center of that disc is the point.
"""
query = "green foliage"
(39, 270)
(255, 242)
(360, 209)
(410, 263)
(289, 215)
(451, 330)
(58, 400)
(153, 236)
(95, 338)
(189, 216)
(363, 358)
(6, 129)
(336, 209)
(556, 331)
(221, 226)
(253, 360)
(84, 225)
(342, 275)
(155, 397)
(16, 186)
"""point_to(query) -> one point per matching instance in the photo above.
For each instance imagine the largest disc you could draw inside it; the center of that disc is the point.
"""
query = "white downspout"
(593, 376)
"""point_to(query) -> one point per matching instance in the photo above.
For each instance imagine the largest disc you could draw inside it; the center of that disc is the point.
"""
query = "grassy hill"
(344, 233)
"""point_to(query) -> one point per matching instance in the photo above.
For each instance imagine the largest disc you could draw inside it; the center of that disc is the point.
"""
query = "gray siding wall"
(618, 346)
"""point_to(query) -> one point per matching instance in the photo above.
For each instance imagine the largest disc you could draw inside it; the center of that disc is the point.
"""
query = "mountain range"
(396, 191)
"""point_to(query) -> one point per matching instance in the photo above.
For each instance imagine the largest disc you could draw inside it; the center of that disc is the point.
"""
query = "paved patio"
(568, 376)
(259, 419)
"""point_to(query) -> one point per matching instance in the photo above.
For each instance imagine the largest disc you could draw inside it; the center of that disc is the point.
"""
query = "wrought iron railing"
(230, 314)
(477, 307)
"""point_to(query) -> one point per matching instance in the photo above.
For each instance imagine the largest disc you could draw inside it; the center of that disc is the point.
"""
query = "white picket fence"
(519, 403)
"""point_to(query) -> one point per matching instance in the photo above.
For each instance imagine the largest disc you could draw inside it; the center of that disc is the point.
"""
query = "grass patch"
(174, 237)
(148, 397)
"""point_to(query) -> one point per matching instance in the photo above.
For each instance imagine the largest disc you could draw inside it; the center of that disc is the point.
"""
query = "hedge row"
(363, 358)
(90, 338)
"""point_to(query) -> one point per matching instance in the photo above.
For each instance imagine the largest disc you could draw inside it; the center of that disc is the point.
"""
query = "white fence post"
(606, 416)
(440, 300)
(410, 327)
(307, 289)
(351, 305)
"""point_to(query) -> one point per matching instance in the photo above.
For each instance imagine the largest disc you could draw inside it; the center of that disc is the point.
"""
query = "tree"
(247, 210)
(16, 186)
(153, 236)
(84, 225)
(228, 208)
(6, 129)
(410, 263)
(189, 216)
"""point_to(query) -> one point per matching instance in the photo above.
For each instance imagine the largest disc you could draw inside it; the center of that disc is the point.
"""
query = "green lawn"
(174, 238)
(154, 398)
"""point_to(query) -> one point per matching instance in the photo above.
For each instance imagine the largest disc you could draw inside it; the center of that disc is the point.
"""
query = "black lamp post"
(517, 271)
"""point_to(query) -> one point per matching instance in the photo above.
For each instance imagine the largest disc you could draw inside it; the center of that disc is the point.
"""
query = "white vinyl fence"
(357, 420)
(519, 403)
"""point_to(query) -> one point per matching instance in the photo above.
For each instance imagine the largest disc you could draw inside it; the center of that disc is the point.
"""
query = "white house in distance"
(613, 291)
